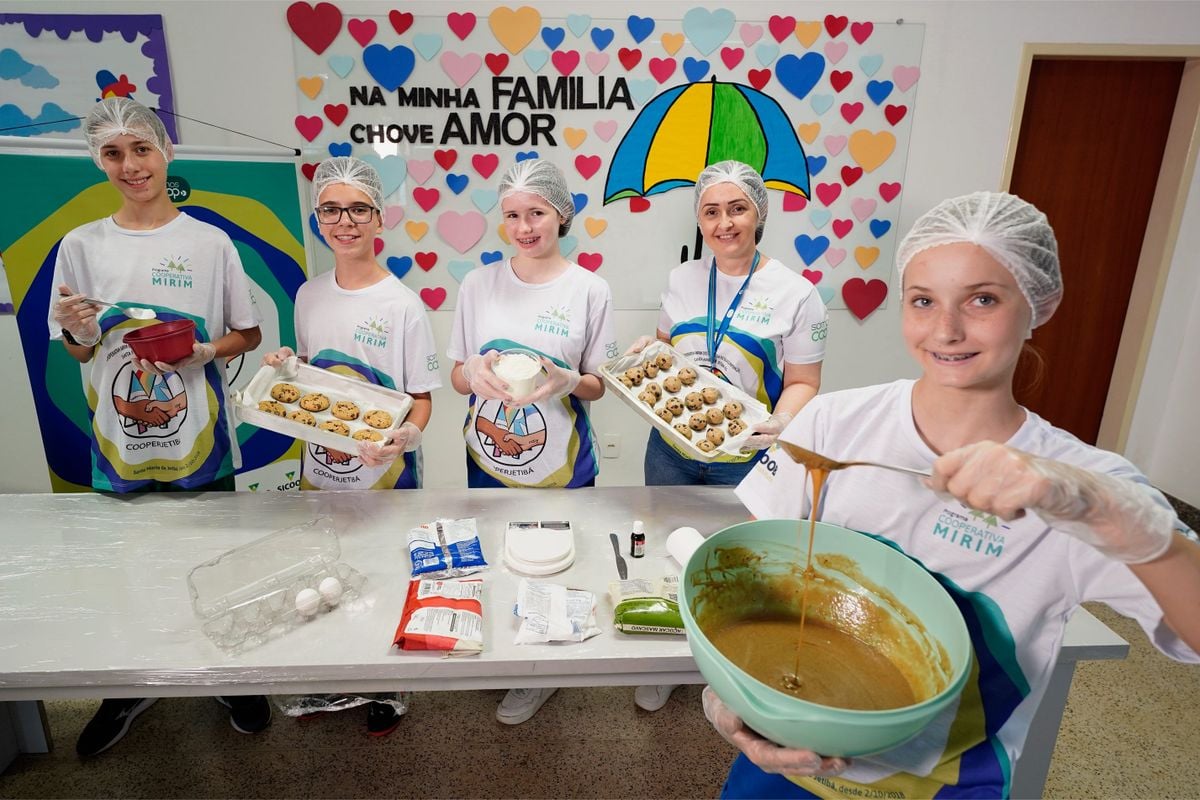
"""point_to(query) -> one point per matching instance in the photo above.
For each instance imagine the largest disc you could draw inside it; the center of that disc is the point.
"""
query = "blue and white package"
(445, 548)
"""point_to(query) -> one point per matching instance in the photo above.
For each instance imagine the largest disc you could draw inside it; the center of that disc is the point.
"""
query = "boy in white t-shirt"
(156, 427)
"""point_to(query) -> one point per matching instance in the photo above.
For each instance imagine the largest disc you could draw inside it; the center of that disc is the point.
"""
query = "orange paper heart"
(595, 226)
(871, 149)
(574, 136)
(416, 230)
(807, 32)
(865, 256)
(671, 42)
(504, 235)
(515, 29)
(311, 86)
(809, 131)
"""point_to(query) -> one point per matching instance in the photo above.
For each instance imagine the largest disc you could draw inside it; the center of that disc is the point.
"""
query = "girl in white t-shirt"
(1020, 533)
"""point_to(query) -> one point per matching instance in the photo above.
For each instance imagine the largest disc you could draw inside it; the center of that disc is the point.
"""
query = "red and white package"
(442, 615)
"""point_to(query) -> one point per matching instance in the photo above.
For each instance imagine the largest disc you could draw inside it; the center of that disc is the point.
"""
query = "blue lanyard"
(716, 335)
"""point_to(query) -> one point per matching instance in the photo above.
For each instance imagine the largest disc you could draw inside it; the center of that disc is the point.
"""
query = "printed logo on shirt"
(755, 311)
(972, 530)
(512, 438)
(152, 408)
(819, 330)
(174, 272)
(431, 363)
(333, 465)
(372, 332)
(555, 321)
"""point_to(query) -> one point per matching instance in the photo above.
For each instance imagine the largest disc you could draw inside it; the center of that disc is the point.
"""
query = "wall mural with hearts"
(630, 108)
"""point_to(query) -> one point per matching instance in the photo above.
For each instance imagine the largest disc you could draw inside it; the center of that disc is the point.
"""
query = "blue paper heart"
(880, 226)
(391, 169)
(819, 217)
(870, 64)
(879, 90)
(602, 37)
(800, 75)
(578, 23)
(428, 45)
(810, 249)
(316, 229)
(399, 265)
(707, 30)
(766, 53)
(457, 182)
(536, 59)
(816, 164)
(567, 244)
(821, 103)
(553, 37)
(525, 155)
(490, 257)
(389, 68)
(485, 199)
(642, 90)
(459, 269)
(827, 293)
(580, 201)
(639, 27)
(340, 148)
(695, 69)
(341, 65)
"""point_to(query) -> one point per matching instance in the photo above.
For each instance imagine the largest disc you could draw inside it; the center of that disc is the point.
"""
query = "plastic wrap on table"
(307, 705)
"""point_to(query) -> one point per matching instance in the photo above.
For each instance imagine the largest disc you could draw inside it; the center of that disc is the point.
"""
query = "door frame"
(1162, 227)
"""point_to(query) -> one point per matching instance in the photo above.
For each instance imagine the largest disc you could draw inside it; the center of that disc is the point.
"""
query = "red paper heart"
(587, 165)
(434, 297)
(828, 192)
(794, 202)
(662, 68)
(842, 226)
(496, 62)
(565, 61)
(309, 170)
(861, 31)
(638, 204)
(426, 260)
(461, 24)
(309, 127)
(378, 246)
(835, 25)
(840, 79)
(590, 261)
(485, 163)
(732, 56)
(629, 57)
(362, 30)
(781, 27)
(759, 77)
(316, 27)
(894, 114)
(401, 20)
(888, 191)
(850, 175)
(336, 113)
(445, 158)
(850, 111)
(863, 297)
(814, 275)
(426, 198)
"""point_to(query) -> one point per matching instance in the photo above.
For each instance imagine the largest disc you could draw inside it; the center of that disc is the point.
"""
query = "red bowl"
(167, 342)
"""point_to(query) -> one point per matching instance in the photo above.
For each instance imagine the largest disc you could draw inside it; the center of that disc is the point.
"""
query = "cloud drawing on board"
(51, 119)
(14, 67)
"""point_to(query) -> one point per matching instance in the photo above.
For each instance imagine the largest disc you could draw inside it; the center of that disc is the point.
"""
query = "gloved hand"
(640, 344)
(484, 383)
(202, 353)
(559, 382)
(766, 432)
(404, 439)
(278, 357)
(1112, 514)
(766, 755)
(73, 313)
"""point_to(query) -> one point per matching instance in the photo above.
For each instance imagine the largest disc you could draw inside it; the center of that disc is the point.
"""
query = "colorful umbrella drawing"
(688, 127)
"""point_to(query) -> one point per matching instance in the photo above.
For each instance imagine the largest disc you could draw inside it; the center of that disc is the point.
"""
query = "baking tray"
(307, 378)
(753, 412)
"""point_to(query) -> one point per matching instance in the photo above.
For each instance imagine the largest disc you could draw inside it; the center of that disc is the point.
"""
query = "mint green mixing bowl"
(938, 649)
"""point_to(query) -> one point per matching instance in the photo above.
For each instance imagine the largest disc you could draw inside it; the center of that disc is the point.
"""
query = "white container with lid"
(539, 548)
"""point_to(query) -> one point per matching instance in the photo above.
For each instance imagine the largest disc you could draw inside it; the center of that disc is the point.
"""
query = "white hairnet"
(1012, 231)
(744, 177)
(540, 177)
(353, 172)
(117, 116)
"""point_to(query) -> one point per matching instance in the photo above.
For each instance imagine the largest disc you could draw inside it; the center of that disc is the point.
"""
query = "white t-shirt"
(568, 320)
(175, 427)
(381, 335)
(1017, 582)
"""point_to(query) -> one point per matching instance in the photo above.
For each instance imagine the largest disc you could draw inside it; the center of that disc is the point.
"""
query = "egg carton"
(309, 379)
(688, 394)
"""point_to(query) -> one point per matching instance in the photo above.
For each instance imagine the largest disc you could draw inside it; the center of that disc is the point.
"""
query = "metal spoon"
(816, 461)
(133, 312)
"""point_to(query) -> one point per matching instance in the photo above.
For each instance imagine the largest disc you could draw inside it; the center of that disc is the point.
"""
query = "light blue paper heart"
(536, 59)
(428, 45)
(578, 23)
(341, 65)
(459, 269)
(870, 64)
(391, 169)
(706, 30)
(821, 103)
(827, 294)
(485, 199)
(819, 217)
(642, 90)
(567, 244)
(766, 53)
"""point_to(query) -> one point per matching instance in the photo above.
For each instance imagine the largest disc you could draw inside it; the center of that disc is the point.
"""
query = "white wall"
(232, 65)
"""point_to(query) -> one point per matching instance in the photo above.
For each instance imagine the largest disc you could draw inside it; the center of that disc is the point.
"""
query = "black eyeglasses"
(332, 215)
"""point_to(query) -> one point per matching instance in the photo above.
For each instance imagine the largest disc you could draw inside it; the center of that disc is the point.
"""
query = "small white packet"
(553, 613)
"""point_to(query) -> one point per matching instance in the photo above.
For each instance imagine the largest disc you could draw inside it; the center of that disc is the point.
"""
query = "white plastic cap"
(639, 526)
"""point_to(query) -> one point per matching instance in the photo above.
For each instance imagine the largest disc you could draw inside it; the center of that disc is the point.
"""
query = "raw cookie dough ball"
(736, 426)
(697, 422)
(706, 445)
(303, 417)
(654, 388)
(687, 376)
(368, 435)
(378, 419)
(636, 375)
(272, 407)
(715, 417)
(683, 430)
(733, 409)
(715, 435)
(672, 384)
(648, 398)
(664, 360)
(651, 369)
(285, 392)
(344, 409)
(710, 395)
(625, 379)
(314, 402)
(335, 426)
(675, 406)
(665, 415)
(694, 401)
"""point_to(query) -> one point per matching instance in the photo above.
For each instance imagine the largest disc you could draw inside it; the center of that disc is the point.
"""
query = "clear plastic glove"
(277, 358)
(640, 344)
(484, 383)
(202, 353)
(766, 755)
(766, 432)
(404, 439)
(1114, 515)
(559, 382)
(73, 313)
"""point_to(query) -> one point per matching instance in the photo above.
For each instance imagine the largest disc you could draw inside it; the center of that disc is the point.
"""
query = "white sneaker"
(652, 698)
(521, 704)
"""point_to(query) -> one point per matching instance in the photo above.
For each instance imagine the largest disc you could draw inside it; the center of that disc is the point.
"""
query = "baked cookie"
(694, 401)
(715, 435)
(272, 407)
(683, 430)
(697, 422)
(378, 419)
(710, 395)
(706, 445)
(715, 417)
(665, 415)
(736, 426)
(303, 417)
(675, 406)
(687, 376)
(366, 434)
(664, 360)
(335, 426)
(672, 384)
(314, 402)
(732, 410)
(651, 369)
(344, 409)
(285, 392)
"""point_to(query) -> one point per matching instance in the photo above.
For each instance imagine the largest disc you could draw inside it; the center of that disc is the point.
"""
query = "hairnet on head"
(117, 116)
(1012, 231)
(540, 177)
(744, 177)
(353, 172)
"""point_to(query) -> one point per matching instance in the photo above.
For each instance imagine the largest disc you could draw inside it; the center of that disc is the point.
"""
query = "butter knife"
(622, 569)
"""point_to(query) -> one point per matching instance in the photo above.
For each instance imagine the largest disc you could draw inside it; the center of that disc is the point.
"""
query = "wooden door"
(1089, 152)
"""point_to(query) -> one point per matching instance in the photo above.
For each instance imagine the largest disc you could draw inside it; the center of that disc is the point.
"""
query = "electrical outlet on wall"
(612, 445)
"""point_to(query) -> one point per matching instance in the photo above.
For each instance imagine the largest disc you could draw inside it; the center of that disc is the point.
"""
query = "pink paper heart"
(605, 128)
(420, 170)
(461, 231)
(836, 51)
(863, 207)
(460, 69)
(905, 77)
(833, 146)
(392, 216)
(596, 62)
(835, 256)
(750, 34)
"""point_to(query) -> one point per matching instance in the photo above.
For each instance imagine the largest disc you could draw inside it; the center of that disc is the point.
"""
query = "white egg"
(308, 601)
(331, 590)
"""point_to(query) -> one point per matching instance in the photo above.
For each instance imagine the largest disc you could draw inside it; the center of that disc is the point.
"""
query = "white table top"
(94, 599)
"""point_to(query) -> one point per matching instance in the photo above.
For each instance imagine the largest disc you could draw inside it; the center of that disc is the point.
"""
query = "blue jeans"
(665, 467)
